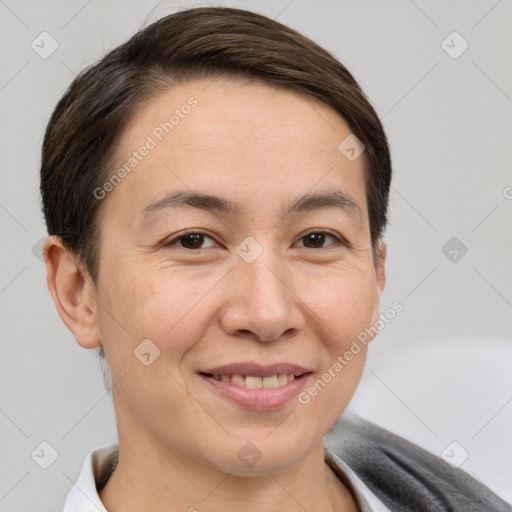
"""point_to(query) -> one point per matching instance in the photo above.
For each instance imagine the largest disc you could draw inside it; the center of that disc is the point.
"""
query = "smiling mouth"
(255, 386)
(254, 381)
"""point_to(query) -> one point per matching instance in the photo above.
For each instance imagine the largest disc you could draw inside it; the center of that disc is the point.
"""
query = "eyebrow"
(207, 202)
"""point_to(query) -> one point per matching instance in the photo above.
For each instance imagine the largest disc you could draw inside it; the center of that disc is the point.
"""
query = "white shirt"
(83, 496)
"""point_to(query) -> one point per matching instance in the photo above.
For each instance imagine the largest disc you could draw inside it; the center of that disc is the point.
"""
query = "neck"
(152, 477)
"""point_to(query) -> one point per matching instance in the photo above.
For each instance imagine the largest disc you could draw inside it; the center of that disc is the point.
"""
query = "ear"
(73, 292)
(380, 275)
(381, 266)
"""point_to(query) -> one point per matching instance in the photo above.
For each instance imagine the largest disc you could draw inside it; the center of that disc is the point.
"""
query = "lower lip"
(260, 399)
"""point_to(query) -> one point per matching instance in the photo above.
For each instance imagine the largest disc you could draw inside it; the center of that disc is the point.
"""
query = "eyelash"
(340, 241)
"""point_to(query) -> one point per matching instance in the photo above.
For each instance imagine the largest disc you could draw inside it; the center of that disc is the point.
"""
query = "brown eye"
(192, 240)
(316, 239)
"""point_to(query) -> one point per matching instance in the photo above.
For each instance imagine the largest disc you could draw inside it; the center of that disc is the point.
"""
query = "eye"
(189, 240)
(316, 239)
(193, 240)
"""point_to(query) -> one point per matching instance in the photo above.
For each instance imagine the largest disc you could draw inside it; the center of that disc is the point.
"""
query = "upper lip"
(257, 370)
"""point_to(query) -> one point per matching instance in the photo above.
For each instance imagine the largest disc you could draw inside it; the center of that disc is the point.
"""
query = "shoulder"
(404, 476)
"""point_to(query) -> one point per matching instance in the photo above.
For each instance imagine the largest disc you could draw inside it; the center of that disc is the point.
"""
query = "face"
(258, 288)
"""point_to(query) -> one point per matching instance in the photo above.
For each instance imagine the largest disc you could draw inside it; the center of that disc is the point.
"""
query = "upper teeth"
(251, 382)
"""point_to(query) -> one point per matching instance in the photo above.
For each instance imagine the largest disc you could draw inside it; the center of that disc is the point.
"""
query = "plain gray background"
(439, 372)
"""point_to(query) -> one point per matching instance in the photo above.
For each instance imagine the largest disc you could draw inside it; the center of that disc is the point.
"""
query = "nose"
(262, 303)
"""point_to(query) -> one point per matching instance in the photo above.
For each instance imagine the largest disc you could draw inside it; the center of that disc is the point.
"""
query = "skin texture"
(297, 302)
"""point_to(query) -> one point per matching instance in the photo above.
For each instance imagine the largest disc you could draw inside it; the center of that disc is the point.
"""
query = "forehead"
(249, 141)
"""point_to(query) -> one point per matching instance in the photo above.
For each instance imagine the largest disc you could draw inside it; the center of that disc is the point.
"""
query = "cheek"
(148, 306)
(344, 310)
(345, 304)
(165, 306)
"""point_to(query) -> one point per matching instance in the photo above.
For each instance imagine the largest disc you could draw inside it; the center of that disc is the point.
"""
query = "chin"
(261, 452)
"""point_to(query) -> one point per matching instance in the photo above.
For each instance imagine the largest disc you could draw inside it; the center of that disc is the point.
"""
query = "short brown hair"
(197, 43)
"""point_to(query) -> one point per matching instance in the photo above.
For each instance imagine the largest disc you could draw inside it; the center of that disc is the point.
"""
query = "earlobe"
(72, 291)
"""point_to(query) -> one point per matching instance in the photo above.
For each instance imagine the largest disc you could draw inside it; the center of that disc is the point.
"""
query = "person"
(215, 191)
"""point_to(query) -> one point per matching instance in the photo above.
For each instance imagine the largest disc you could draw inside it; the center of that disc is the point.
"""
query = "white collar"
(83, 496)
